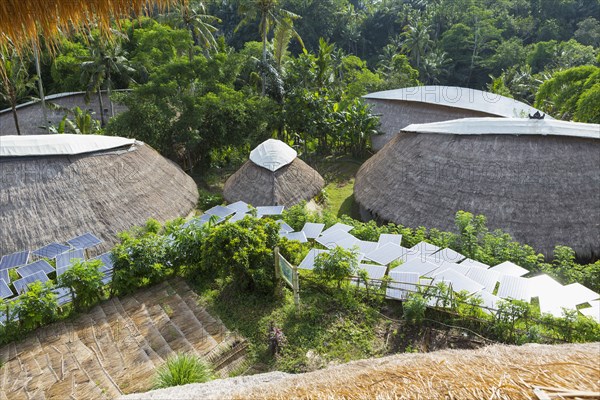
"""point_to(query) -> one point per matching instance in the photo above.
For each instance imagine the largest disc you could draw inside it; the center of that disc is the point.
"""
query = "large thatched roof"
(543, 189)
(59, 194)
(290, 182)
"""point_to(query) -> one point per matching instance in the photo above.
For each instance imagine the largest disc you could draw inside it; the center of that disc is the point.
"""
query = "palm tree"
(15, 82)
(192, 15)
(271, 15)
(106, 60)
(416, 41)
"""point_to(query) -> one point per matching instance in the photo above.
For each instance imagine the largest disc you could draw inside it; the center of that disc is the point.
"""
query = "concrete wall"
(396, 115)
(31, 117)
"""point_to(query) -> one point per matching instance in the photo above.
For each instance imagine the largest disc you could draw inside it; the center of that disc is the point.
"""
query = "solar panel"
(339, 226)
(203, 219)
(509, 268)
(14, 260)
(64, 260)
(5, 291)
(309, 260)
(239, 206)
(220, 211)
(390, 238)
(593, 311)
(488, 300)
(333, 238)
(30, 269)
(403, 283)
(349, 243)
(4, 275)
(462, 269)
(299, 236)
(387, 253)
(21, 284)
(63, 295)
(543, 286)
(514, 287)
(269, 210)
(106, 260)
(419, 266)
(85, 241)
(284, 227)
(448, 255)
(238, 216)
(424, 248)
(312, 230)
(579, 294)
(458, 281)
(474, 263)
(51, 251)
(485, 277)
(376, 272)
(366, 246)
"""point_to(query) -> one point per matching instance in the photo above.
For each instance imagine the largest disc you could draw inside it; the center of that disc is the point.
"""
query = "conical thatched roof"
(59, 194)
(539, 186)
(287, 183)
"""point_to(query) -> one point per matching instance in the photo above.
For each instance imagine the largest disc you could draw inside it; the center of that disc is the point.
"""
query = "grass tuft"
(181, 370)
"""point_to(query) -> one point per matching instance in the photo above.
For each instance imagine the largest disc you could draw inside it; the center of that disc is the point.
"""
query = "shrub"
(336, 266)
(414, 308)
(182, 369)
(85, 282)
(37, 306)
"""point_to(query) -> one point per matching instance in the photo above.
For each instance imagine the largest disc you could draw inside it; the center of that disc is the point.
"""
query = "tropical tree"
(107, 60)
(416, 41)
(81, 123)
(270, 14)
(15, 82)
(84, 280)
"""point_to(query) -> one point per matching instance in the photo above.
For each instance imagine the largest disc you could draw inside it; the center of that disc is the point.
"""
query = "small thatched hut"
(274, 175)
(55, 187)
(538, 180)
(399, 108)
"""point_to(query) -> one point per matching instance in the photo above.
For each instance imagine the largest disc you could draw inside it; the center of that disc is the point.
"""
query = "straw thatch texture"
(286, 186)
(542, 190)
(25, 21)
(48, 199)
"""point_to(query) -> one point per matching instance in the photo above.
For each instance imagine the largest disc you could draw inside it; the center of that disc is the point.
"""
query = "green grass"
(181, 370)
(340, 199)
(324, 329)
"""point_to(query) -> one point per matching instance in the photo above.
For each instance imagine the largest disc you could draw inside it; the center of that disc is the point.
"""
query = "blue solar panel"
(63, 295)
(220, 211)
(106, 260)
(5, 291)
(21, 284)
(30, 269)
(4, 275)
(66, 259)
(85, 241)
(269, 210)
(14, 260)
(51, 250)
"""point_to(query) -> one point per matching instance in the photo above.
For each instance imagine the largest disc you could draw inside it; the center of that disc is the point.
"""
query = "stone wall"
(31, 117)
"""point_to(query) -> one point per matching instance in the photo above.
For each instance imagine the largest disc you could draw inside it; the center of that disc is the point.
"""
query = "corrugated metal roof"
(508, 126)
(59, 144)
(459, 97)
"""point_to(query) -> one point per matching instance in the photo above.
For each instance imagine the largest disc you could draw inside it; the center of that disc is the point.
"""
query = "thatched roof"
(543, 190)
(260, 186)
(48, 198)
(25, 21)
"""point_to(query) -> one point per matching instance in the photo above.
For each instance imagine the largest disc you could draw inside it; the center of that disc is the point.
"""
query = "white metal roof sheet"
(59, 144)
(508, 126)
(458, 97)
(272, 154)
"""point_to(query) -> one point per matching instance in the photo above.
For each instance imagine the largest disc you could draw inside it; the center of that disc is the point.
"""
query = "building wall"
(396, 115)
(31, 117)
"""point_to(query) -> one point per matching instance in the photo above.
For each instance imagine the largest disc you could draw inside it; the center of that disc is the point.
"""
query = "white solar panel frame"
(402, 285)
(488, 300)
(14, 260)
(509, 268)
(462, 269)
(308, 262)
(51, 250)
(374, 271)
(387, 253)
(85, 241)
(312, 230)
(4, 275)
(424, 248)
(349, 243)
(485, 277)
(458, 281)
(238, 216)
(514, 287)
(544, 286)
(390, 238)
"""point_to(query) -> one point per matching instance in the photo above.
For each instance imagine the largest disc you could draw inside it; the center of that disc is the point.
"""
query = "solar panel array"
(4, 275)
(85, 241)
(220, 211)
(514, 287)
(51, 251)
(509, 268)
(30, 269)
(269, 210)
(387, 253)
(5, 291)
(66, 259)
(299, 236)
(14, 260)
(312, 230)
(403, 283)
(21, 285)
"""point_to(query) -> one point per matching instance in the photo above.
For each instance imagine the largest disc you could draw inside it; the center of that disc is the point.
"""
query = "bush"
(37, 306)
(414, 309)
(336, 266)
(182, 369)
(85, 282)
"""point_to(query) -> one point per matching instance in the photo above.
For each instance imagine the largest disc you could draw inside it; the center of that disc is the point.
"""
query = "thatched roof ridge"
(287, 186)
(508, 126)
(54, 198)
(543, 190)
(458, 97)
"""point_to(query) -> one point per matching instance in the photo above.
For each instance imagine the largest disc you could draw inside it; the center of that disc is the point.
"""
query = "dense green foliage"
(84, 280)
(182, 369)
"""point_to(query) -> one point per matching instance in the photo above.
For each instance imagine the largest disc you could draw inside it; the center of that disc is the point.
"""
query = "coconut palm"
(270, 14)
(15, 82)
(106, 60)
(416, 41)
